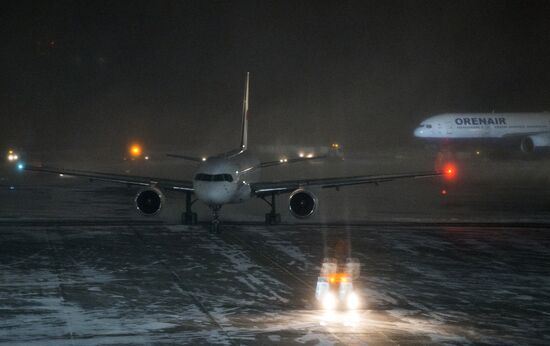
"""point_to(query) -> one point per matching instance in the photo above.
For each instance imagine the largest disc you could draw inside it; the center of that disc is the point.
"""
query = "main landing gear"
(188, 217)
(272, 218)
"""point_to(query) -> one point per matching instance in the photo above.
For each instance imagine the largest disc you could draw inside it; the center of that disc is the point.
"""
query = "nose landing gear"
(215, 226)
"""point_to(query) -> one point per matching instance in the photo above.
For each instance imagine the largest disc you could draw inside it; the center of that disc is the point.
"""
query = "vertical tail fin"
(244, 129)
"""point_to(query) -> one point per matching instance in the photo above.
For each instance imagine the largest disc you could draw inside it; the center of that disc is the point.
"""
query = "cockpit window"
(214, 177)
(428, 126)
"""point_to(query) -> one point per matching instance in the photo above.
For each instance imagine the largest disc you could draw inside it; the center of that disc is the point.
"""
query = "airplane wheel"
(215, 227)
(272, 219)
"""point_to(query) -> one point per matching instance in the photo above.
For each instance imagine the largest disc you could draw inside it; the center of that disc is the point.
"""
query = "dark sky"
(94, 73)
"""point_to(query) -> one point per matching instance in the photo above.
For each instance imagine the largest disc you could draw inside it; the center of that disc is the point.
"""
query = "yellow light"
(10, 152)
(135, 150)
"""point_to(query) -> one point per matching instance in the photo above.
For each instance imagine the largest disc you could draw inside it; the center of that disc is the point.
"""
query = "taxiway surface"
(102, 283)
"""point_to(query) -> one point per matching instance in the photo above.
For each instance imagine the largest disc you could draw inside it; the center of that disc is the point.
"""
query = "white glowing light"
(281, 160)
(61, 174)
(204, 158)
(146, 157)
(301, 154)
(309, 156)
(10, 157)
(329, 301)
(353, 301)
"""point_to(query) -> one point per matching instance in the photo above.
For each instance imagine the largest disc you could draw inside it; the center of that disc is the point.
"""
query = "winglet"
(244, 130)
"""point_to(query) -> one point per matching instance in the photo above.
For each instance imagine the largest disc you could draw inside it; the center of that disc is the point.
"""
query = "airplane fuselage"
(483, 125)
(226, 178)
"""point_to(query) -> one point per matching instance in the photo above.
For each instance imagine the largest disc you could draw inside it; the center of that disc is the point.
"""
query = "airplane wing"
(287, 161)
(177, 185)
(265, 188)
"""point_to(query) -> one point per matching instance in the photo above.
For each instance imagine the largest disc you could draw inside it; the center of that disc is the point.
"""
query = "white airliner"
(231, 177)
(528, 131)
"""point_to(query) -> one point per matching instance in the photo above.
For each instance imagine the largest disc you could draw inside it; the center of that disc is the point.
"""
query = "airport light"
(301, 154)
(12, 156)
(203, 159)
(309, 156)
(449, 171)
(135, 150)
(20, 167)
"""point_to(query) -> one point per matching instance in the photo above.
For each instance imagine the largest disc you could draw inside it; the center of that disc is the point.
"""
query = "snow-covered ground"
(78, 265)
(156, 284)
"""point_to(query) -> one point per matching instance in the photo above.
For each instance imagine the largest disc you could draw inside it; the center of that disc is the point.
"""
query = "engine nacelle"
(534, 143)
(302, 203)
(149, 201)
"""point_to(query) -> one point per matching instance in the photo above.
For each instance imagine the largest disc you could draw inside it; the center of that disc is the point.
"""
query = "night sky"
(99, 74)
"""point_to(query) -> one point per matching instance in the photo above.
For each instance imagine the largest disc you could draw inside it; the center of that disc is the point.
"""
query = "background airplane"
(231, 177)
(529, 132)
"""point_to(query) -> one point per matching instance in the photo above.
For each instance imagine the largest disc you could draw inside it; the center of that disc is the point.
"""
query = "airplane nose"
(214, 192)
(419, 132)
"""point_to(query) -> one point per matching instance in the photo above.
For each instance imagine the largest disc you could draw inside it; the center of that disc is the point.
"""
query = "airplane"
(530, 132)
(230, 177)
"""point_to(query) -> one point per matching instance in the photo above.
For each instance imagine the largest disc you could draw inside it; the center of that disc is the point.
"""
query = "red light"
(449, 171)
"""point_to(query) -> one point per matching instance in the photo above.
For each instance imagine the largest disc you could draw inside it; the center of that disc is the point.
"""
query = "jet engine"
(302, 203)
(149, 201)
(534, 143)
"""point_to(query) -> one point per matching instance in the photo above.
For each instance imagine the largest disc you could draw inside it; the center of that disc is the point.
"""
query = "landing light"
(301, 154)
(309, 156)
(203, 159)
